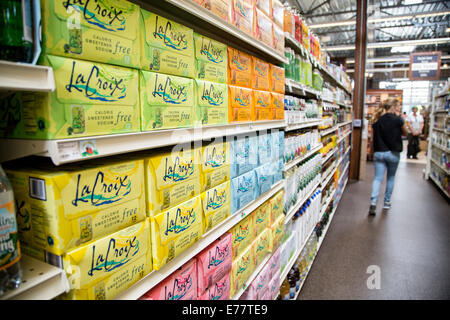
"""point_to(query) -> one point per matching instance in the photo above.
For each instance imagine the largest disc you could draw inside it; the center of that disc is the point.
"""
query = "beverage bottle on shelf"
(284, 290)
(291, 280)
(296, 277)
(10, 268)
(16, 36)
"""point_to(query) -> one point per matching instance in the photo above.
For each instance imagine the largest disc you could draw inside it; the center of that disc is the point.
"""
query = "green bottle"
(16, 31)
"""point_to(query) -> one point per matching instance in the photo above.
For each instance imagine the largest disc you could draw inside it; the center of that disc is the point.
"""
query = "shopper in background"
(414, 123)
(388, 127)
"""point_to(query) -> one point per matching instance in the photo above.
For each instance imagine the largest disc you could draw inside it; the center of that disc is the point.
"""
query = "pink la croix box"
(218, 291)
(180, 285)
(214, 262)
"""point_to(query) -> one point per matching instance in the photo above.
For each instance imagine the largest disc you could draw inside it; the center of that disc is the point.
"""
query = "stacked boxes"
(89, 221)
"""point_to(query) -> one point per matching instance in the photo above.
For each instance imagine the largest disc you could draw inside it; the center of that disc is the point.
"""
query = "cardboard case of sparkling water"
(105, 31)
(242, 235)
(241, 269)
(90, 264)
(215, 164)
(166, 46)
(240, 104)
(262, 105)
(239, 68)
(216, 205)
(175, 230)
(211, 103)
(172, 177)
(180, 285)
(219, 290)
(214, 262)
(167, 101)
(115, 283)
(90, 99)
(60, 208)
(244, 189)
(210, 59)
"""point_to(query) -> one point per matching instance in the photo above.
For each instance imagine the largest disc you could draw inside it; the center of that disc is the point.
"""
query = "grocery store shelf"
(440, 166)
(297, 88)
(328, 131)
(294, 258)
(329, 155)
(441, 130)
(441, 111)
(156, 276)
(258, 269)
(344, 136)
(441, 95)
(72, 150)
(25, 77)
(327, 203)
(40, 281)
(306, 124)
(299, 203)
(344, 123)
(202, 19)
(439, 185)
(327, 178)
(441, 147)
(297, 160)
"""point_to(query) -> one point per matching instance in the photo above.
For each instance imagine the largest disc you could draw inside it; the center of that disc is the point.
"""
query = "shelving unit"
(296, 161)
(40, 281)
(25, 77)
(442, 171)
(156, 276)
(70, 150)
(43, 281)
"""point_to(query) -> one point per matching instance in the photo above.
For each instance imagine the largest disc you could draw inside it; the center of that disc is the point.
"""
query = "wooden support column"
(359, 87)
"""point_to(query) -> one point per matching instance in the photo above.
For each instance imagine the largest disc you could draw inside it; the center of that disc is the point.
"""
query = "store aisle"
(410, 244)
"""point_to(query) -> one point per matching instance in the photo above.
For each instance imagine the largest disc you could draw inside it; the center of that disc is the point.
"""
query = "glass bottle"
(10, 269)
(16, 31)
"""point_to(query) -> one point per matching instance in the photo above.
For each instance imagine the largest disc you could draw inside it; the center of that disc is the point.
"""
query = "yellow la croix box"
(277, 232)
(175, 230)
(241, 269)
(239, 68)
(262, 109)
(262, 245)
(167, 46)
(240, 104)
(242, 235)
(210, 59)
(276, 203)
(167, 101)
(277, 79)
(105, 31)
(114, 284)
(260, 74)
(215, 166)
(261, 218)
(90, 99)
(60, 208)
(94, 262)
(216, 205)
(211, 103)
(172, 177)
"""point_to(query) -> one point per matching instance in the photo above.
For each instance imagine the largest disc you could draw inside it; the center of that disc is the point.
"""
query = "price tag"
(69, 150)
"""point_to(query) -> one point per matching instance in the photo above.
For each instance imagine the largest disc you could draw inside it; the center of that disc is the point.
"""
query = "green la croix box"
(211, 103)
(102, 30)
(167, 101)
(90, 99)
(166, 46)
(210, 59)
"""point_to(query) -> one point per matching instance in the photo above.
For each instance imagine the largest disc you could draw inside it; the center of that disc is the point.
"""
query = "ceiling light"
(390, 44)
(447, 30)
(403, 49)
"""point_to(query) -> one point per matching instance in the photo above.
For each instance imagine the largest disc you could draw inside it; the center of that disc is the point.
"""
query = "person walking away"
(388, 127)
(414, 123)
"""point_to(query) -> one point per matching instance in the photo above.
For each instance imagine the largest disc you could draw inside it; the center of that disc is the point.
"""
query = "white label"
(37, 189)
(69, 150)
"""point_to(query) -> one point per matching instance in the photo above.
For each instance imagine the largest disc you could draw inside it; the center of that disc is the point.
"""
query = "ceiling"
(399, 20)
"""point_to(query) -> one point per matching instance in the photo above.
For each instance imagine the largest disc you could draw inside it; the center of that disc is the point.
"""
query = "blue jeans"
(384, 160)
